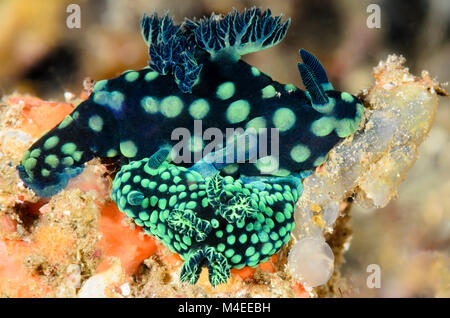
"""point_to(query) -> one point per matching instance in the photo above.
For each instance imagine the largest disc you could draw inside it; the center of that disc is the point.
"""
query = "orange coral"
(39, 116)
(173, 259)
(7, 225)
(248, 272)
(268, 266)
(54, 243)
(15, 279)
(300, 291)
(244, 273)
(130, 245)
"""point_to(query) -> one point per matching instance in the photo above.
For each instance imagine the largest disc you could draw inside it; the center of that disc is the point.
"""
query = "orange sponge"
(130, 245)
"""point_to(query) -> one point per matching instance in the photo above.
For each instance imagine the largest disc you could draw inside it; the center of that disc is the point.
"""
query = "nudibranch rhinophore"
(209, 220)
(196, 73)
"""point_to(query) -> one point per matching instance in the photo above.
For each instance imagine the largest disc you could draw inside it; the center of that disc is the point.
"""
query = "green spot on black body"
(173, 200)
(100, 85)
(266, 248)
(29, 164)
(229, 253)
(250, 251)
(165, 175)
(237, 111)
(263, 237)
(257, 123)
(290, 88)
(137, 179)
(284, 119)
(126, 189)
(66, 122)
(145, 203)
(128, 148)
(153, 200)
(243, 238)
(132, 76)
(323, 126)
(231, 239)
(144, 216)
(45, 172)
(319, 160)
(67, 161)
(347, 97)
(111, 153)
(300, 153)
(162, 204)
(268, 91)
(191, 205)
(171, 106)
(52, 161)
(150, 104)
(77, 155)
(68, 148)
(51, 142)
(162, 187)
(214, 223)
(150, 76)
(199, 108)
(35, 153)
(95, 123)
(255, 71)
(225, 90)
(236, 259)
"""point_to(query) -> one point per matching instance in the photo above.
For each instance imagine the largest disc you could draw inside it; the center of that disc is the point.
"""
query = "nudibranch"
(196, 73)
(209, 220)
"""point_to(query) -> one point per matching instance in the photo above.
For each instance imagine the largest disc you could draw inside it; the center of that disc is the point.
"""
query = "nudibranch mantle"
(195, 74)
(209, 220)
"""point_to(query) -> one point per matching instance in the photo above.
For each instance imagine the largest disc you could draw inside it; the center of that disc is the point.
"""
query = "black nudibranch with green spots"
(209, 220)
(196, 73)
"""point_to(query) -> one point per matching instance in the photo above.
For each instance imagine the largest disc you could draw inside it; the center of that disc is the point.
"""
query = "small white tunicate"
(330, 213)
(311, 261)
(305, 227)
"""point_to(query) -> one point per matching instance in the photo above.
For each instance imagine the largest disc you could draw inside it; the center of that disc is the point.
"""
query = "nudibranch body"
(196, 73)
(209, 220)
